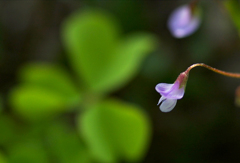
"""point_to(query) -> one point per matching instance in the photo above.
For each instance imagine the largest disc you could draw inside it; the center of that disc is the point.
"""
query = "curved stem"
(229, 74)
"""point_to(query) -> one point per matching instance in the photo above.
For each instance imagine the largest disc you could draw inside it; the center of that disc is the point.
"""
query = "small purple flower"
(184, 21)
(171, 92)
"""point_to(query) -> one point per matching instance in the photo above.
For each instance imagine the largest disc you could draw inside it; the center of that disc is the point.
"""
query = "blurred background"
(63, 99)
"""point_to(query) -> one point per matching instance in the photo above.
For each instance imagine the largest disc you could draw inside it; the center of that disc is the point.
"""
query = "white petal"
(168, 104)
(161, 99)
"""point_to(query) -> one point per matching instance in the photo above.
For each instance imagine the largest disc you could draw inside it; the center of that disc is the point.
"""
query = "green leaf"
(64, 143)
(90, 38)
(9, 128)
(51, 77)
(98, 54)
(28, 151)
(46, 90)
(115, 131)
(128, 58)
(233, 7)
(2, 158)
(35, 103)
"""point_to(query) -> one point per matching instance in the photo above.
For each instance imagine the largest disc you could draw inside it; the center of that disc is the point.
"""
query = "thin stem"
(229, 74)
(193, 5)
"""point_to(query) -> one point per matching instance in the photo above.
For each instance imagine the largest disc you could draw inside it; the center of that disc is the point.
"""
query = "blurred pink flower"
(184, 21)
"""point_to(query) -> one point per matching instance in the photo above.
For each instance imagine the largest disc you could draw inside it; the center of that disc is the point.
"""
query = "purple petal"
(182, 23)
(171, 91)
(168, 105)
(163, 88)
(175, 92)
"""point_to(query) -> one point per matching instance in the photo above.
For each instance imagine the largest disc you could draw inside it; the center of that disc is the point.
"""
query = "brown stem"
(229, 74)
(193, 5)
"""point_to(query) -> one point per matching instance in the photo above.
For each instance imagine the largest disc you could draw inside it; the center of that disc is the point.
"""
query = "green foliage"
(233, 7)
(45, 91)
(36, 103)
(2, 158)
(8, 127)
(28, 151)
(65, 145)
(103, 59)
(51, 77)
(115, 130)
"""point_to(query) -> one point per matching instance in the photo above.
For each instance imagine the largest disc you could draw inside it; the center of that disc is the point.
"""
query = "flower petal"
(175, 92)
(187, 30)
(180, 17)
(182, 23)
(170, 90)
(167, 105)
(161, 99)
(163, 88)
